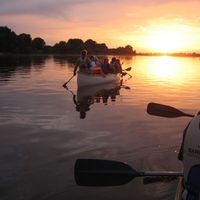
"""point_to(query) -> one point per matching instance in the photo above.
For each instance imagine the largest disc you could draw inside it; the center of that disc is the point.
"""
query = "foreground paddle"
(165, 111)
(93, 172)
(65, 84)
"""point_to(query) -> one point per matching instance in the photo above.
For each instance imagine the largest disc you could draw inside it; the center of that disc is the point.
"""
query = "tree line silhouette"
(23, 43)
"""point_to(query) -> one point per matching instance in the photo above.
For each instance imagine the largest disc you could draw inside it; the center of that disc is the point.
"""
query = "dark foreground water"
(42, 134)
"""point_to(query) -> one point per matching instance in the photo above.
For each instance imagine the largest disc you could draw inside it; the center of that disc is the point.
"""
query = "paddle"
(125, 87)
(165, 111)
(128, 69)
(94, 172)
(64, 85)
(125, 73)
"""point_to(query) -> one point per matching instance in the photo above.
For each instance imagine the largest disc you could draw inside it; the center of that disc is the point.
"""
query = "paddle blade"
(127, 87)
(123, 73)
(165, 111)
(65, 84)
(128, 69)
(93, 172)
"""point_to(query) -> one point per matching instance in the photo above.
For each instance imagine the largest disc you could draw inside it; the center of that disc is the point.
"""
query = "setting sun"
(167, 40)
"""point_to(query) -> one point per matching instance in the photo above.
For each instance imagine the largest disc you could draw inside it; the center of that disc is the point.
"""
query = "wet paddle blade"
(128, 69)
(93, 172)
(123, 73)
(165, 111)
(127, 87)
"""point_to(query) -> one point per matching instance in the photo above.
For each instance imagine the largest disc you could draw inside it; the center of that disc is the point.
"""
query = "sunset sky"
(147, 25)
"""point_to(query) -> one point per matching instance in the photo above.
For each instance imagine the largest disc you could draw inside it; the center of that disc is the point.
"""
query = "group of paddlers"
(95, 66)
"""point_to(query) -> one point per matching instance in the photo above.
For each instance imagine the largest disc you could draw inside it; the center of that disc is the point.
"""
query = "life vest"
(83, 62)
(193, 183)
(96, 71)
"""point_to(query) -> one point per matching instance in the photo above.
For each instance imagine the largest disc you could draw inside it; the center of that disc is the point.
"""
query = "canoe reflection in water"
(87, 96)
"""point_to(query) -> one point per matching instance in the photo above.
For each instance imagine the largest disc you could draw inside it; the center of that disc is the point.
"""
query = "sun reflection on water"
(168, 69)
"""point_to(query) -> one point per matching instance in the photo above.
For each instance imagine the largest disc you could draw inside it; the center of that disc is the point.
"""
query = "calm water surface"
(42, 134)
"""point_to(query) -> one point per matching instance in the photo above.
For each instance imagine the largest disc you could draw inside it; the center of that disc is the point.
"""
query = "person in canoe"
(93, 62)
(112, 64)
(95, 66)
(116, 65)
(190, 156)
(105, 66)
(83, 63)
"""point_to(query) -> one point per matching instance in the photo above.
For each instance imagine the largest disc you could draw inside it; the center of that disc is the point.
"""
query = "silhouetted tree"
(48, 49)
(94, 48)
(60, 47)
(8, 40)
(38, 43)
(23, 43)
(127, 50)
(101, 49)
(74, 46)
(90, 45)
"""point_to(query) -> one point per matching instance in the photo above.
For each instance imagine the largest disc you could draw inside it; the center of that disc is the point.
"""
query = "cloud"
(38, 7)
(54, 7)
(114, 22)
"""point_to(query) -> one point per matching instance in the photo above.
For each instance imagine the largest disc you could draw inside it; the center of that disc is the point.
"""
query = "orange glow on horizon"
(156, 26)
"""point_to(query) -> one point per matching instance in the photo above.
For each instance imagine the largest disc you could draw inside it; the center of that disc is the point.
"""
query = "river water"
(44, 129)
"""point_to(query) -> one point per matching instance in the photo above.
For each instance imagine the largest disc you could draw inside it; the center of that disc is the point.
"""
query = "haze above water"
(42, 135)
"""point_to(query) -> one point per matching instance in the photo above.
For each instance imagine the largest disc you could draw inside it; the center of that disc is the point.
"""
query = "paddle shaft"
(126, 73)
(188, 115)
(68, 80)
(131, 173)
(162, 173)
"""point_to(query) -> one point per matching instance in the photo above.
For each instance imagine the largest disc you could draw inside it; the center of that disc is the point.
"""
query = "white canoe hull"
(88, 80)
(94, 89)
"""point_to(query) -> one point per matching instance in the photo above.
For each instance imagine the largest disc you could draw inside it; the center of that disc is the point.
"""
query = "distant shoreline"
(24, 44)
(131, 55)
(170, 54)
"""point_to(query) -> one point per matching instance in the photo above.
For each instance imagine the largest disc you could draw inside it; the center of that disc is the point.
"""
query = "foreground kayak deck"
(84, 79)
(179, 190)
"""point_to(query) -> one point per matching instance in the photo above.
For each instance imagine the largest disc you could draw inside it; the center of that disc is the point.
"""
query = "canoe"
(86, 96)
(84, 79)
(179, 190)
(96, 90)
